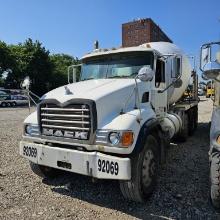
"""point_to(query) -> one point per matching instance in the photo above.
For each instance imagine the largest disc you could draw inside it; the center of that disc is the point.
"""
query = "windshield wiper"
(87, 79)
(110, 77)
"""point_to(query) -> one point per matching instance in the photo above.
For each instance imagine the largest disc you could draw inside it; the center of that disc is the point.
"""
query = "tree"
(6, 61)
(60, 63)
(32, 59)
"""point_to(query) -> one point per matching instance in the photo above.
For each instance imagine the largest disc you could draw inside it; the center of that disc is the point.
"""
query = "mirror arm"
(200, 64)
(34, 95)
(68, 70)
(162, 91)
(126, 102)
(137, 99)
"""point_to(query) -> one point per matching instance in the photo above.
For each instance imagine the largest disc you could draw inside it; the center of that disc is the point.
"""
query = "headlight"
(31, 129)
(114, 138)
(28, 129)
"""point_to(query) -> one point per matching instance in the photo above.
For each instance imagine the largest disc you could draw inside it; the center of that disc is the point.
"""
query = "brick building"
(142, 31)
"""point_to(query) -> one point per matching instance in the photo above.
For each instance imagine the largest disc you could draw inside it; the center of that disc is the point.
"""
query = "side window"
(160, 73)
(176, 67)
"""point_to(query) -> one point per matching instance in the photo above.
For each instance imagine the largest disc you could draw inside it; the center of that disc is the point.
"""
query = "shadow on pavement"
(182, 191)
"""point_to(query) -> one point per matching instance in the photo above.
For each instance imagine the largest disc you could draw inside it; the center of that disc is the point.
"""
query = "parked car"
(4, 95)
(19, 100)
(14, 100)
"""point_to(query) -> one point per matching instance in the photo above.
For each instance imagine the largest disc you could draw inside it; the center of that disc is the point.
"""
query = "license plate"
(107, 166)
(30, 151)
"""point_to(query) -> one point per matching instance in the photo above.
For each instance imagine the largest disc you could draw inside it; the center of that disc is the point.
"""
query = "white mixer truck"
(118, 120)
(210, 67)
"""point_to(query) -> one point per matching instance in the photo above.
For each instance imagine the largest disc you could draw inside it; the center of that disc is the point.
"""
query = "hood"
(108, 94)
(90, 89)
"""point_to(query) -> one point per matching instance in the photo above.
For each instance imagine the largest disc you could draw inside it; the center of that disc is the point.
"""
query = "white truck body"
(104, 106)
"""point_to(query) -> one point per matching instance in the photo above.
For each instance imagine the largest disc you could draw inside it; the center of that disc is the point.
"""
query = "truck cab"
(210, 67)
(116, 122)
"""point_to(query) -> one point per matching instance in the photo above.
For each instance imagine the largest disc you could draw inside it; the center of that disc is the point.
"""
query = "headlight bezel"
(31, 129)
(103, 138)
(114, 138)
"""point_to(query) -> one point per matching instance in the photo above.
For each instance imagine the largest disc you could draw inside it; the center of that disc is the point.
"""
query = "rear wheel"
(144, 170)
(196, 116)
(193, 120)
(215, 180)
(184, 132)
(44, 171)
(13, 104)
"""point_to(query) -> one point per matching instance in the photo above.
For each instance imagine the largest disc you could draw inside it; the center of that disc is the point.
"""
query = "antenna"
(96, 45)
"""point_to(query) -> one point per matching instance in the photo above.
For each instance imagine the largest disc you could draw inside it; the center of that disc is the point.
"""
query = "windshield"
(124, 65)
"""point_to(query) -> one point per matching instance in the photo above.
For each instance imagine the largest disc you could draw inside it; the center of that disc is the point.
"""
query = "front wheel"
(4, 104)
(144, 170)
(215, 180)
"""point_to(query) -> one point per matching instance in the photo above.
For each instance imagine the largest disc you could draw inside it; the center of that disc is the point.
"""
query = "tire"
(215, 181)
(196, 117)
(4, 104)
(144, 170)
(8, 104)
(13, 104)
(184, 132)
(193, 120)
(44, 171)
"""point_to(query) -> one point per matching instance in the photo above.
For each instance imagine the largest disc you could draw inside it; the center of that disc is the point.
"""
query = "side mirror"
(210, 61)
(145, 74)
(204, 55)
(177, 83)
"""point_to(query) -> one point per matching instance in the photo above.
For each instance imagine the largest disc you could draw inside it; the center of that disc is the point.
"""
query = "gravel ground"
(182, 191)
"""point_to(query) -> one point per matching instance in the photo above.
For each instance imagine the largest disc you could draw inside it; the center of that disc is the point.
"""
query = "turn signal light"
(218, 140)
(127, 138)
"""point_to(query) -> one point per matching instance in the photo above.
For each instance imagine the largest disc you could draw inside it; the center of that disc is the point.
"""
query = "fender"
(151, 126)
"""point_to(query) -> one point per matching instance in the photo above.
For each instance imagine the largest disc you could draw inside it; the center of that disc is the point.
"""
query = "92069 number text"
(106, 166)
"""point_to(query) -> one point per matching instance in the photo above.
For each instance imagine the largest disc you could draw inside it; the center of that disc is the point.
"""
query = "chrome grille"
(71, 121)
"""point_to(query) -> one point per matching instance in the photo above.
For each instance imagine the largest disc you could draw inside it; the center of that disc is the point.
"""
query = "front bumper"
(92, 164)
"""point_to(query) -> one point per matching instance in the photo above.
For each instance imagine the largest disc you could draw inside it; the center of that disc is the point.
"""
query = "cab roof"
(159, 48)
(100, 52)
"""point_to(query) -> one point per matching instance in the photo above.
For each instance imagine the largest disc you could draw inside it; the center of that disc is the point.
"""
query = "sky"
(72, 26)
